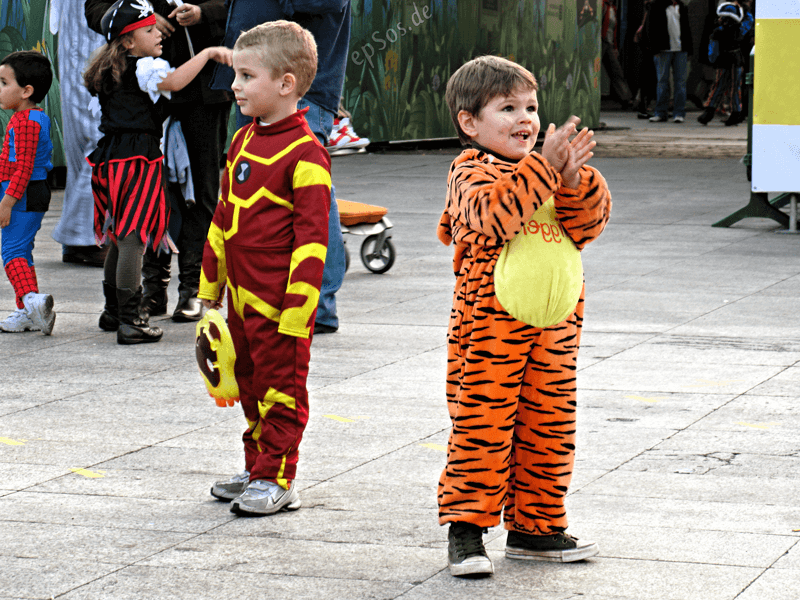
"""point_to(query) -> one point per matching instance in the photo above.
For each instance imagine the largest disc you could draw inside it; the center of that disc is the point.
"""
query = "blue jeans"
(663, 62)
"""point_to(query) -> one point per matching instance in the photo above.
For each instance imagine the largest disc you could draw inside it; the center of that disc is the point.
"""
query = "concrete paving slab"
(774, 441)
(137, 582)
(49, 577)
(687, 545)
(790, 560)
(613, 578)
(114, 512)
(715, 349)
(630, 481)
(680, 514)
(20, 476)
(664, 376)
(300, 558)
(34, 541)
(785, 383)
(778, 584)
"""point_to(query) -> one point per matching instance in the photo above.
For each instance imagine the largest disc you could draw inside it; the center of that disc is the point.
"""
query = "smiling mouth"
(521, 136)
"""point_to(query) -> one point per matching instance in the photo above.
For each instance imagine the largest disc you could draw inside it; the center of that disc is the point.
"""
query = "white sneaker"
(231, 488)
(678, 119)
(39, 308)
(17, 322)
(266, 498)
(343, 136)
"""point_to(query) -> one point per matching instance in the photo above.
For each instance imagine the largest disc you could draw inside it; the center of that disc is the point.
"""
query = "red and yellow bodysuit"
(511, 385)
(267, 243)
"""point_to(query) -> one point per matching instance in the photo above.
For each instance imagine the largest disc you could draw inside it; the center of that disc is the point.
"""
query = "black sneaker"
(465, 552)
(557, 547)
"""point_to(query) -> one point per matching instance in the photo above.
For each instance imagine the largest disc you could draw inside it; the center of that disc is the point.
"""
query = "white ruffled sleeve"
(150, 71)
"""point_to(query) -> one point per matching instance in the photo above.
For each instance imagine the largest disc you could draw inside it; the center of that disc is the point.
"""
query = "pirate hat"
(125, 16)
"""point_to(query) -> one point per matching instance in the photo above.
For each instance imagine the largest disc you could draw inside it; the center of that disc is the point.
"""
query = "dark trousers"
(205, 128)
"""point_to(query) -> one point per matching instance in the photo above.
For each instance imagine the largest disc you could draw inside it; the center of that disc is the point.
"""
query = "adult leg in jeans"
(321, 122)
(679, 60)
(662, 62)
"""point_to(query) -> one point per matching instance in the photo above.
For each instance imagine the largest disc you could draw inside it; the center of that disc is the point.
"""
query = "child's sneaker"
(465, 552)
(17, 322)
(228, 490)
(557, 547)
(266, 498)
(39, 308)
(343, 136)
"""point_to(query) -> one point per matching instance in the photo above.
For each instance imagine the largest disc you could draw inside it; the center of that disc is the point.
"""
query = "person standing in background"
(76, 42)
(669, 37)
(619, 86)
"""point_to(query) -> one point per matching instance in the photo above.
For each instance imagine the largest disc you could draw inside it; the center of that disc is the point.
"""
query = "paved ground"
(688, 452)
(628, 136)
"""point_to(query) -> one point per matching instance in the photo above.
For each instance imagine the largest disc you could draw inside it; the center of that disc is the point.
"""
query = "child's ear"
(466, 121)
(27, 91)
(288, 84)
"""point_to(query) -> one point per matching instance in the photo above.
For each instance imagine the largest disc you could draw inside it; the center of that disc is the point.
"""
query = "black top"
(656, 33)
(131, 122)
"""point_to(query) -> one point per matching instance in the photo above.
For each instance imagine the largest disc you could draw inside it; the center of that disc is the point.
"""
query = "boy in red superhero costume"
(267, 243)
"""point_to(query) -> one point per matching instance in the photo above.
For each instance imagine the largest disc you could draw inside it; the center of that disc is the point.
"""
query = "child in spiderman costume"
(25, 79)
(267, 244)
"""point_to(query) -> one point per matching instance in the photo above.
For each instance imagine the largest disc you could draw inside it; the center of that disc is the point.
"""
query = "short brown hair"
(284, 47)
(480, 80)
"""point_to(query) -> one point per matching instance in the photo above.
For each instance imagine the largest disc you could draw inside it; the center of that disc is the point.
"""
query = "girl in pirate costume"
(129, 81)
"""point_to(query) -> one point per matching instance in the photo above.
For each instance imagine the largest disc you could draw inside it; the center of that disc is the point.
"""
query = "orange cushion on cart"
(353, 213)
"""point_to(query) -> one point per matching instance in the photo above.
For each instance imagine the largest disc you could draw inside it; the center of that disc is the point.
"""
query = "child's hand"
(6, 205)
(221, 54)
(555, 149)
(215, 304)
(580, 151)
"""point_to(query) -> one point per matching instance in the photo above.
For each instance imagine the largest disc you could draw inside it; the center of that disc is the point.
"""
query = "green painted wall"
(402, 53)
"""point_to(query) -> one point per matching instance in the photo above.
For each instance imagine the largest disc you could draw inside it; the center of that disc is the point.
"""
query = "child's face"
(145, 41)
(12, 96)
(257, 92)
(506, 125)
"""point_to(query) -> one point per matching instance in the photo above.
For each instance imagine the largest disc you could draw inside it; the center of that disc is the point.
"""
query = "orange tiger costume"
(511, 387)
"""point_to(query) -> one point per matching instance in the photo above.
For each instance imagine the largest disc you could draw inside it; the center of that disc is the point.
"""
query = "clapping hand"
(555, 149)
(580, 151)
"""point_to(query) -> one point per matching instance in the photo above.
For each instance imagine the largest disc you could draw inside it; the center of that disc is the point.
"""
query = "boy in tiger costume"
(518, 220)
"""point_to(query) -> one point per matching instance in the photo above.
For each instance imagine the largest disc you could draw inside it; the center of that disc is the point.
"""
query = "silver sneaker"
(266, 498)
(17, 322)
(40, 310)
(228, 490)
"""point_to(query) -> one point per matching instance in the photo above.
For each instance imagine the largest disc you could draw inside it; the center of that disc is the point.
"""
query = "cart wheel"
(377, 260)
(346, 258)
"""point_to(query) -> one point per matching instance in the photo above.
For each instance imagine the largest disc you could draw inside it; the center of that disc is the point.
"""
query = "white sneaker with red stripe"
(342, 136)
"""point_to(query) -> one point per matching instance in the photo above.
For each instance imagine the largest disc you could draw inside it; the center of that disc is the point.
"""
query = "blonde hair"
(106, 66)
(284, 47)
(479, 81)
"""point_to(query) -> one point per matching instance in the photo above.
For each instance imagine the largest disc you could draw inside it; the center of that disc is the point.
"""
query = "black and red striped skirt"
(129, 199)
